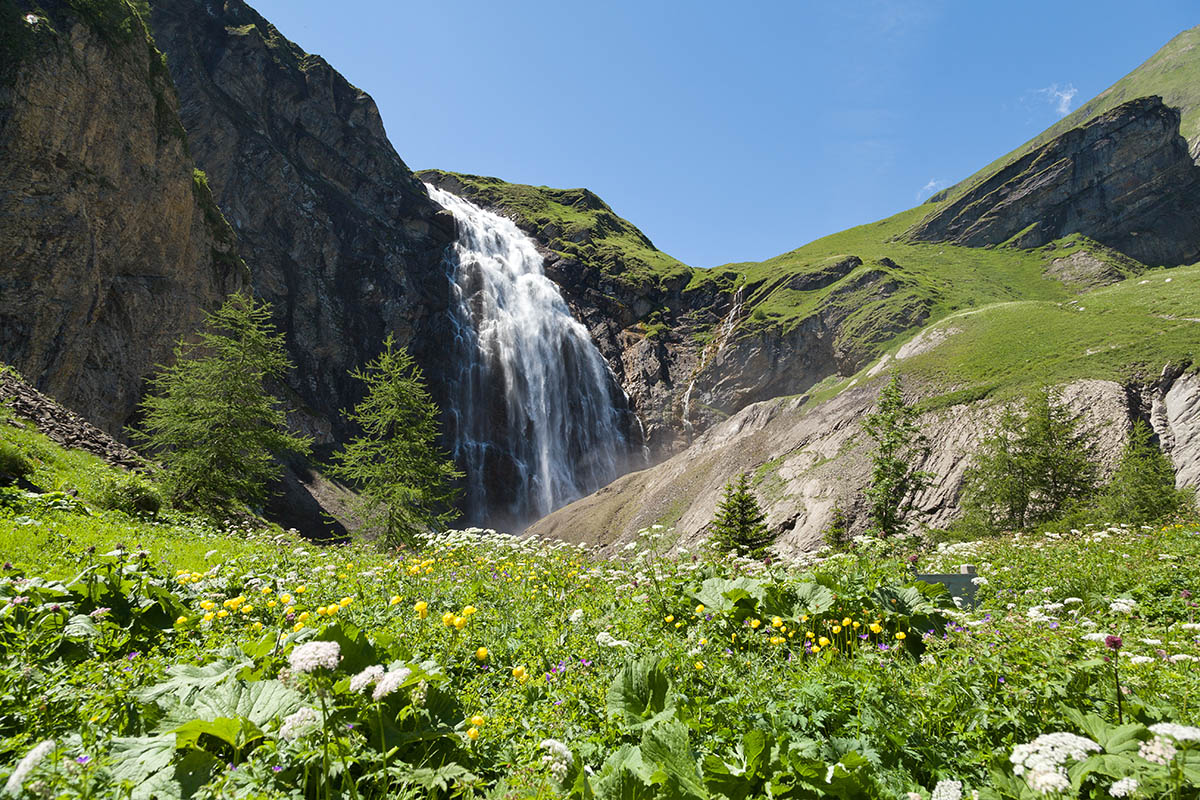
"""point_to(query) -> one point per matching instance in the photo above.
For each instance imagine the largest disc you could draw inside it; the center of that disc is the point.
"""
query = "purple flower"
(1185, 594)
(83, 759)
(1002, 680)
(276, 768)
(1112, 642)
(1053, 625)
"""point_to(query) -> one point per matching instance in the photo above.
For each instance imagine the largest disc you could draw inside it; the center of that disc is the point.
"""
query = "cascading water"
(536, 417)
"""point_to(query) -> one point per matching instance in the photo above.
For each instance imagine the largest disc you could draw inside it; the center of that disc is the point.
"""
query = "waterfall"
(711, 351)
(536, 418)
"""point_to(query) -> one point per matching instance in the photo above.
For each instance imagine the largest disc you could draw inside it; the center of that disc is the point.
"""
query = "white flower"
(1072, 601)
(367, 677)
(1048, 780)
(1158, 750)
(32, 19)
(1191, 626)
(311, 656)
(558, 757)
(1121, 606)
(419, 693)
(912, 796)
(1097, 636)
(1151, 641)
(1140, 659)
(947, 790)
(1180, 733)
(390, 682)
(576, 616)
(1123, 787)
(606, 639)
(1175, 659)
(31, 759)
(296, 725)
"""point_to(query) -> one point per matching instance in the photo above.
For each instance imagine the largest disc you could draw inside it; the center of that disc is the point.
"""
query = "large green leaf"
(640, 693)
(188, 678)
(259, 702)
(237, 732)
(666, 747)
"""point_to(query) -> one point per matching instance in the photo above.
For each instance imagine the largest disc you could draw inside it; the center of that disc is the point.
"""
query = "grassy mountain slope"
(1172, 73)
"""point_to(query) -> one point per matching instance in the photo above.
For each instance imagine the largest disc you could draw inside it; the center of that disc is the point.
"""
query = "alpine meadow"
(321, 477)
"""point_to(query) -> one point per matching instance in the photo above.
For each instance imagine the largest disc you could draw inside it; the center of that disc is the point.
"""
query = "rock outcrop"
(1125, 179)
(340, 238)
(808, 460)
(111, 248)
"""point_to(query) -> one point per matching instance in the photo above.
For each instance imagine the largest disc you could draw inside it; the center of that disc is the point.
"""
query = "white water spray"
(538, 419)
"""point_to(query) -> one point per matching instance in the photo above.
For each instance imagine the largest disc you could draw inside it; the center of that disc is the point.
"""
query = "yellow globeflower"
(776, 622)
(265, 590)
(247, 608)
(518, 672)
(304, 616)
(478, 720)
(754, 623)
(460, 623)
(809, 634)
(258, 626)
(271, 604)
(703, 641)
(837, 628)
(222, 613)
(481, 654)
(345, 601)
(395, 601)
(472, 733)
(320, 611)
(298, 626)
(876, 628)
(422, 609)
(285, 598)
(181, 620)
(857, 625)
(699, 665)
(669, 618)
(301, 589)
(845, 621)
(823, 641)
(448, 619)
(208, 605)
(816, 648)
(208, 617)
(900, 635)
(468, 611)
(700, 609)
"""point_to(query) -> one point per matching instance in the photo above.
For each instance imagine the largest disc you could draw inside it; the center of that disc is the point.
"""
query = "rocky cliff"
(1125, 179)
(110, 247)
(340, 237)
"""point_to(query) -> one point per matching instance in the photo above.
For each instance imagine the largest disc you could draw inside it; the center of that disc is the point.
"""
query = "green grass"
(1126, 331)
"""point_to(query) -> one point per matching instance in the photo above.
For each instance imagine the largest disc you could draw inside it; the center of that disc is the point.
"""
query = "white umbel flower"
(576, 616)
(390, 682)
(558, 757)
(1180, 733)
(947, 790)
(367, 678)
(606, 639)
(1123, 788)
(1041, 761)
(1158, 750)
(31, 760)
(312, 656)
(296, 725)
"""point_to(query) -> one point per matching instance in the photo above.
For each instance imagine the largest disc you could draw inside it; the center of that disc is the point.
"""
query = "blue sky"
(728, 132)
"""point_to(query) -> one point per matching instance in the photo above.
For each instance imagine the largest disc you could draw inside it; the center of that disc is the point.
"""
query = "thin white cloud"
(930, 188)
(1060, 97)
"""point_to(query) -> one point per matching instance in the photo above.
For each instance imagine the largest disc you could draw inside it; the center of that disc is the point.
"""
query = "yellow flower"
(265, 590)
(248, 608)
(271, 604)
(876, 628)
(700, 609)
(816, 648)
(857, 625)
(301, 589)
(703, 641)
(837, 628)
(208, 605)
(776, 622)
(823, 641)
(448, 619)
(298, 626)
(468, 611)
(285, 598)
(472, 733)
(777, 640)
(478, 720)
(481, 654)
(845, 621)
(460, 623)
(422, 609)
(809, 634)
(900, 635)
(754, 623)
(518, 672)
(345, 601)
(304, 616)
(669, 618)
(699, 665)
(395, 601)
(222, 613)
(208, 617)
(320, 611)
(181, 620)
(258, 626)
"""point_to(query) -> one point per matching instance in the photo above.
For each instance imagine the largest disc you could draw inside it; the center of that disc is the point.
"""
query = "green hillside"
(1173, 73)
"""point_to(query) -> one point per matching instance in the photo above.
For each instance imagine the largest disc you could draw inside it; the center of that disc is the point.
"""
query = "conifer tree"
(1037, 464)
(406, 482)
(209, 417)
(739, 525)
(1142, 489)
(899, 446)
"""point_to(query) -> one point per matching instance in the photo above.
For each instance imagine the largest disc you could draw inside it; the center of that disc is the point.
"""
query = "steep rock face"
(808, 460)
(110, 248)
(1125, 179)
(340, 237)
